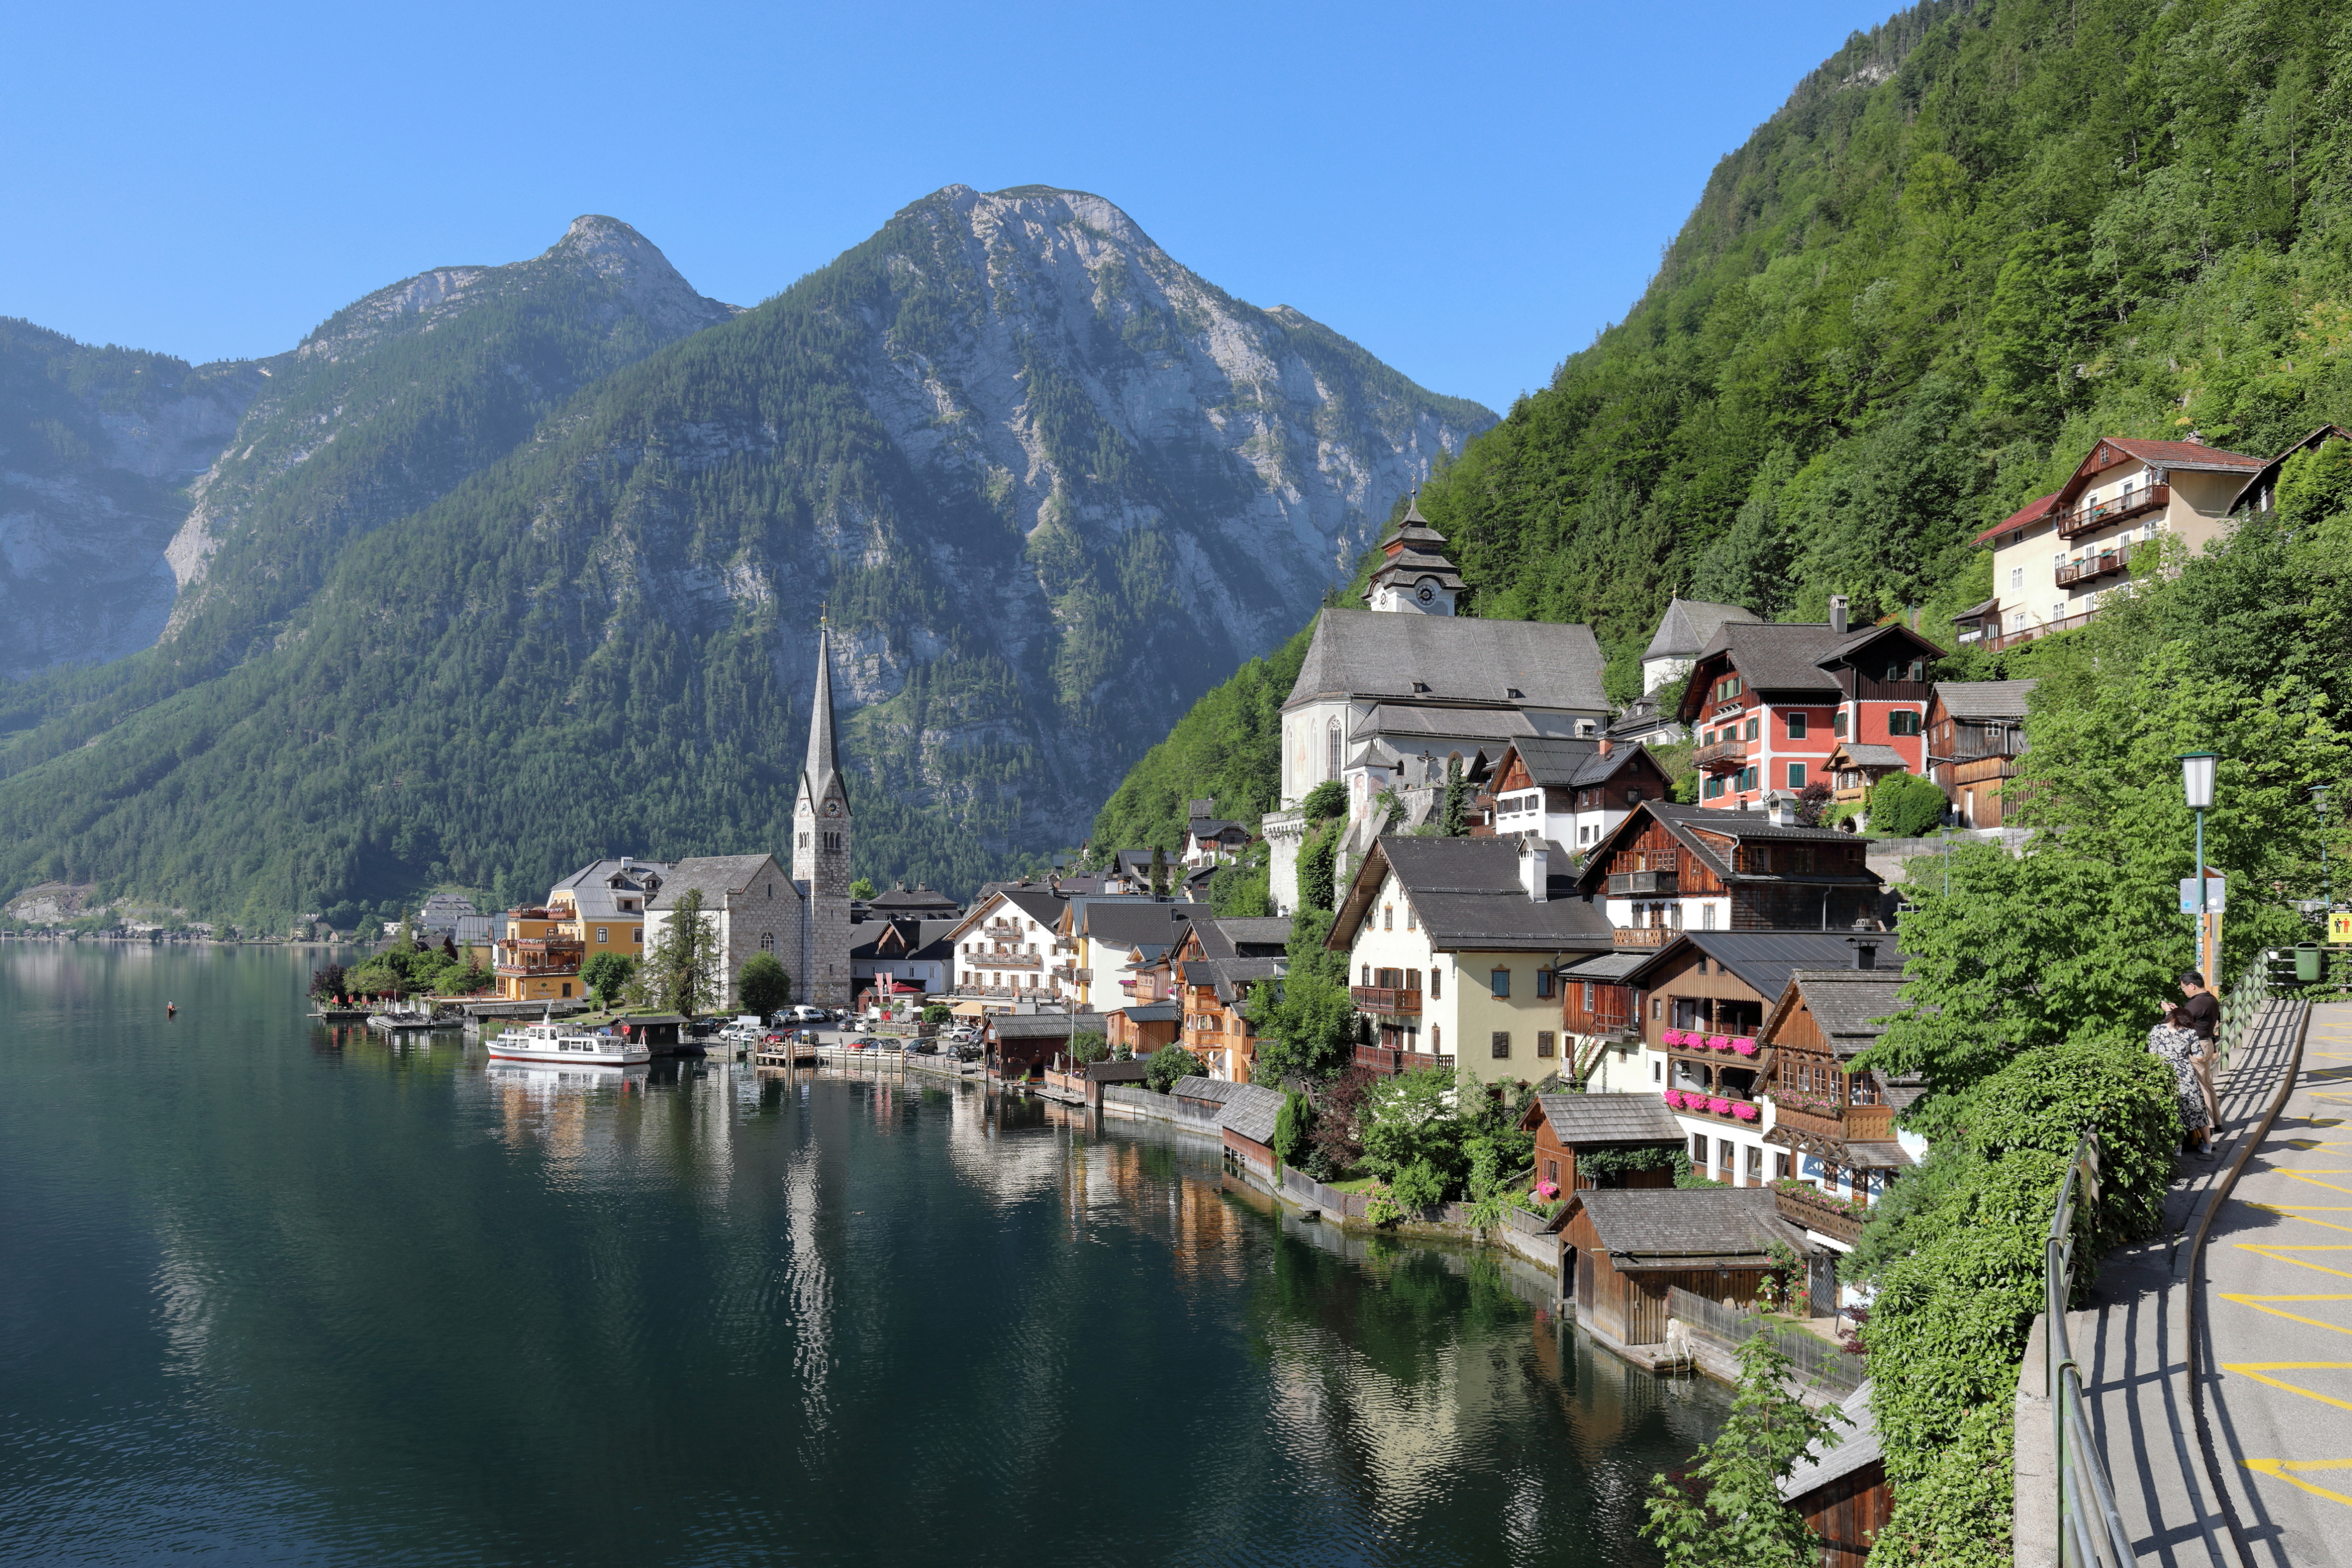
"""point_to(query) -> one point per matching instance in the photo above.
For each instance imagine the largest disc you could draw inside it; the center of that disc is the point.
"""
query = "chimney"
(628, 862)
(1784, 812)
(1535, 875)
(1605, 743)
(1837, 614)
(1865, 953)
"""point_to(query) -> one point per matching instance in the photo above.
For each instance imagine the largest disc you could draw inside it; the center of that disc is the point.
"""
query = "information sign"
(2213, 887)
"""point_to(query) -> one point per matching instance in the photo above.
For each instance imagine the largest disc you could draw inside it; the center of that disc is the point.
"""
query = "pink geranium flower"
(1744, 1046)
(1744, 1111)
(1720, 1106)
(1674, 1098)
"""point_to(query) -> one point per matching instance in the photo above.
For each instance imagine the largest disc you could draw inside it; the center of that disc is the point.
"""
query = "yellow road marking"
(2298, 1213)
(2256, 1304)
(2254, 1369)
(2280, 1469)
(2275, 1250)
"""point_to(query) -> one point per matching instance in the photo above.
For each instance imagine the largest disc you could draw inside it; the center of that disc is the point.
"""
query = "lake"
(273, 1294)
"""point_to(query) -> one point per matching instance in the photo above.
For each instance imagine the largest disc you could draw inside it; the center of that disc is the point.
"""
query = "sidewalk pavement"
(2276, 1320)
(2132, 1340)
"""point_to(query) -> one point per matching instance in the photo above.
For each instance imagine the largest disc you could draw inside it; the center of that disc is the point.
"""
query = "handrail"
(2092, 1535)
(2240, 1006)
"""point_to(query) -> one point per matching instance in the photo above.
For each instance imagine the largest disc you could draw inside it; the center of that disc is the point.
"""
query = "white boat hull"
(617, 1055)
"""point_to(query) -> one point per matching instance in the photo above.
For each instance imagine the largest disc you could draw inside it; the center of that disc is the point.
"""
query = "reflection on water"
(277, 1291)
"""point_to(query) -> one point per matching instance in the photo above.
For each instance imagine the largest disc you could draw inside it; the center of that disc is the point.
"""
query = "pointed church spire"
(823, 765)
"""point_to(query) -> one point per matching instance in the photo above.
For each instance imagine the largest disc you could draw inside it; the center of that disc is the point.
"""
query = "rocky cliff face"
(97, 446)
(1050, 484)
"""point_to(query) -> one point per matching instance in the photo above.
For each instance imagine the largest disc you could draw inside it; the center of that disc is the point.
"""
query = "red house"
(1769, 702)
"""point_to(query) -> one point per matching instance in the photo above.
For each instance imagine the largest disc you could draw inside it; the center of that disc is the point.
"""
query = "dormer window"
(1421, 686)
(1514, 691)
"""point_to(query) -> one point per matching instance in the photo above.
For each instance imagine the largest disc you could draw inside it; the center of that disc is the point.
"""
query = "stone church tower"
(821, 829)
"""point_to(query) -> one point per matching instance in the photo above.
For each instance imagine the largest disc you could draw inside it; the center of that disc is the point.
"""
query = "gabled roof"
(1363, 653)
(1251, 1111)
(919, 901)
(1795, 658)
(2033, 511)
(1243, 936)
(1587, 1119)
(1857, 1445)
(1466, 895)
(1863, 754)
(1040, 904)
(1843, 1001)
(1711, 834)
(598, 887)
(717, 876)
(1672, 1227)
(1984, 699)
(1687, 624)
(1151, 1012)
(1763, 960)
(1044, 1026)
(2111, 450)
(1608, 967)
(2269, 472)
(1560, 762)
(1131, 919)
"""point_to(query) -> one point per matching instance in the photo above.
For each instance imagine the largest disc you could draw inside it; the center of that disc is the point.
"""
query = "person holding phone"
(2201, 1014)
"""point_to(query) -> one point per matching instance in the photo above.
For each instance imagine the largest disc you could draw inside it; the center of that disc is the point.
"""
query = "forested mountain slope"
(1048, 481)
(1973, 241)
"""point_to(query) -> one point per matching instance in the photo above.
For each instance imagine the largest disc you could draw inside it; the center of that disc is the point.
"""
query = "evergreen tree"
(1456, 820)
(681, 968)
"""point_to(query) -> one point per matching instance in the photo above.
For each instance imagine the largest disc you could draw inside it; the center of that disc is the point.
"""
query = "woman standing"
(2177, 1048)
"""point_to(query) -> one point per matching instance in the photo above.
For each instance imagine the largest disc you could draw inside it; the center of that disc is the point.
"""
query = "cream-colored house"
(2061, 555)
(1454, 947)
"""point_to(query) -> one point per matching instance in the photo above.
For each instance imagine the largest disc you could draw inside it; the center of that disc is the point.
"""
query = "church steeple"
(821, 811)
(1416, 576)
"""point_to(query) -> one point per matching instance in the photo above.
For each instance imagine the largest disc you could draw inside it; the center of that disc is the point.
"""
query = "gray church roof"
(1364, 654)
(1687, 624)
(717, 876)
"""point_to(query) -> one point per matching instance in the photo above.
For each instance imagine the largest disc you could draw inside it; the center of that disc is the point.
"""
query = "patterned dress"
(2177, 1048)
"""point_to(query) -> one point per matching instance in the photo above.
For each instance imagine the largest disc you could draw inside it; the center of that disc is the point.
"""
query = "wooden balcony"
(1643, 884)
(1645, 936)
(2048, 628)
(1869, 1124)
(1723, 756)
(1806, 1122)
(1003, 960)
(1836, 1126)
(1381, 1059)
(1821, 1213)
(2106, 564)
(1386, 1001)
(2084, 520)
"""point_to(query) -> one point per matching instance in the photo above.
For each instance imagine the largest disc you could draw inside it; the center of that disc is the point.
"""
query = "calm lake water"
(267, 1294)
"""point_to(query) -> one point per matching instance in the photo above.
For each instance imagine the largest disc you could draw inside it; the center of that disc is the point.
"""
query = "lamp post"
(2197, 785)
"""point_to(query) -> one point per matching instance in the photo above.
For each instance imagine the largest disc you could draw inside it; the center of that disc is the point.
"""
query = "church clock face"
(1428, 592)
(833, 808)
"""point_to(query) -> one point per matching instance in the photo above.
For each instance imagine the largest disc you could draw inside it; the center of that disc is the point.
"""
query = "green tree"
(1159, 872)
(1167, 1065)
(606, 975)
(938, 1013)
(1906, 805)
(762, 985)
(862, 888)
(681, 968)
(1089, 1047)
(1291, 1125)
(1325, 801)
(1306, 1018)
(1727, 1507)
(1457, 799)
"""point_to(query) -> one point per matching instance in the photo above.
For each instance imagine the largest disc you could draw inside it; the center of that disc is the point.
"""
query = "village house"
(1772, 701)
(1098, 940)
(1455, 945)
(1021, 1045)
(753, 907)
(915, 953)
(1976, 733)
(1003, 948)
(1573, 793)
(1669, 867)
(902, 903)
(1244, 1115)
(601, 907)
(1208, 840)
(1856, 766)
(1384, 701)
(1702, 1001)
(2058, 557)
(1592, 1128)
(1837, 1121)
(1683, 633)
(1218, 963)
(1600, 1023)
(2259, 494)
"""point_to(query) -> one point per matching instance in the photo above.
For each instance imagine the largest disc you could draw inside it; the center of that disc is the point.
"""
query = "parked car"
(810, 1016)
(924, 1047)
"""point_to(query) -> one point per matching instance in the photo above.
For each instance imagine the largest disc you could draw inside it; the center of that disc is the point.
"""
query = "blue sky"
(1469, 192)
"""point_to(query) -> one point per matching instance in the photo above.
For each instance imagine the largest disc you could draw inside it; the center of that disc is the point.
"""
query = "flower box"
(1720, 1106)
(1670, 1038)
(1674, 1098)
(1744, 1046)
(1718, 1042)
(1744, 1112)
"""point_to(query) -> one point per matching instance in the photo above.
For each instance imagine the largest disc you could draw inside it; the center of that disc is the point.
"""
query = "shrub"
(1727, 1508)
(1417, 1187)
(1167, 1065)
(1290, 1128)
(2045, 1100)
(1906, 805)
(938, 1013)
(1327, 799)
(1090, 1046)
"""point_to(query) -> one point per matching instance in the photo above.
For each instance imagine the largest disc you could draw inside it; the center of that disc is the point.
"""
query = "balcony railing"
(2105, 563)
(1645, 936)
(1003, 959)
(1627, 884)
(1819, 1211)
(1386, 1001)
(2048, 628)
(1382, 1059)
(1724, 754)
(2084, 519)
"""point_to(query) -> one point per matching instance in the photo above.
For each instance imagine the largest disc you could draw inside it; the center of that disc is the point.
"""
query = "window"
(1437, 1039)
(1587, 996)
(1411, 923)
(1632, 798)
(1713, 788)
(1499, 983)
(767, 942)
(601, 937)
(1706, 917)
(1726, 1151)
(1755, 730)
(1780, 1167)
(1551, 1171)
(1368, 974)
(1902, 722)
(1388, 917)
(804, 844)
(1699, 1149)
(1796, 726)
(1756, 1165)
(1544, 1038)
(1657, 1072)
(567, 988)
(1436, 987)
(637, 934)
(1796, 775)
(1657, 1009)
(1543, 982)
(1331, 751)
(2016, 578)
(1502, 1045)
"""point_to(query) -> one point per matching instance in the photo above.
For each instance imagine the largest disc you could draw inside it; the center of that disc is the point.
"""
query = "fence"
(2091, 1532)
(2240, 1006)
(1820, 1364)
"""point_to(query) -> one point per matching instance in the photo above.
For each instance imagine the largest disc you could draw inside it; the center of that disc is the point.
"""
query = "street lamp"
(2197, 783)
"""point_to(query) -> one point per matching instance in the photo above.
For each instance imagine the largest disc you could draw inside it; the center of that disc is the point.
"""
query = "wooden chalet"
(1976, 733)
(1855, 767)
(1598, 1012)
(1213, 970)
(1021, 1045)
(1569, 1126)
(1144, 1027)
(1245, 1112)
(1668, 869)
(1842, 1494)
(1623, 1247)
(1838, 1121)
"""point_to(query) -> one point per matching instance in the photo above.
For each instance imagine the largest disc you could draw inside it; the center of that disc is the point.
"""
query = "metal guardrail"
(2091, 1532)
(2240, 1006)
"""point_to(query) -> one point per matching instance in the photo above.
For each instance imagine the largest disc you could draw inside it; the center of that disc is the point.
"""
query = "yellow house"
(601, 907)
(1453, 948)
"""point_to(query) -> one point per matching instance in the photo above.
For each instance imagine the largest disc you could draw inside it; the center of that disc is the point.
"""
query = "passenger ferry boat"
(551, 1042)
